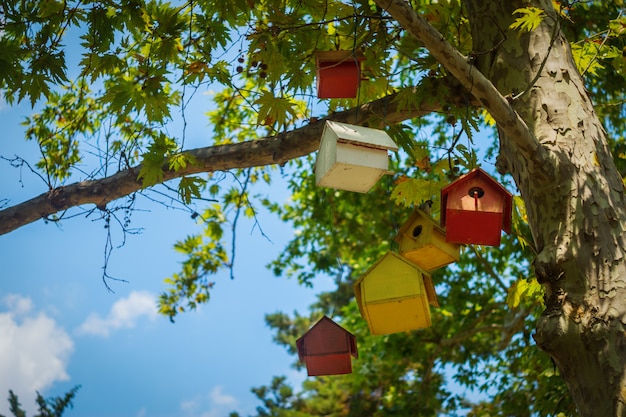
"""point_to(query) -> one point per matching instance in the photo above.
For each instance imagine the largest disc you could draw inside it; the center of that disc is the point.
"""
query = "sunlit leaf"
(275, 110)
(530, 19)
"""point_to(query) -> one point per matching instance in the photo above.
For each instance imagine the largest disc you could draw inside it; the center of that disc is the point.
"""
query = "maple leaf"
(412, 191)
(530, 19)
(275, 109)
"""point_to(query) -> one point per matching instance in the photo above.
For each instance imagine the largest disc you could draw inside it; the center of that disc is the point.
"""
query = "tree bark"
(565, 173)
(261, 152)
(577, 215)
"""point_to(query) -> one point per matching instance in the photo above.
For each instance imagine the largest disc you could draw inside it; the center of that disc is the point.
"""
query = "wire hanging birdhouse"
(475, 209)
(423, 242)
(326, 349)
(352, 158)
(338, 73)
(392, 296)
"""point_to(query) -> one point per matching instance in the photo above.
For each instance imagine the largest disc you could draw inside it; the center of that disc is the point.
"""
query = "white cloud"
(215, 404)
(123, 314)
(34, 351)
(219, 398)
(17, 304)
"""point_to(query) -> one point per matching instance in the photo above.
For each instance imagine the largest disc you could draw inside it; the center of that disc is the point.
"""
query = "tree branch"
(266, 151)
(510, 123)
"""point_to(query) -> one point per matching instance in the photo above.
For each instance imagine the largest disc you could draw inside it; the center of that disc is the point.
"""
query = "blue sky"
(60, 327)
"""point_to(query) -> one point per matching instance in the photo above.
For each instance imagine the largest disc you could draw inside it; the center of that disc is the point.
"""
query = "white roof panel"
(362, 136)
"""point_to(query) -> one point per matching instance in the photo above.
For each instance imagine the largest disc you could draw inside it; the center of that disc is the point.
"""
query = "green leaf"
(586, 56)
(180, 161)
(468, 158)
(275, 110)
(487, 118)
(151, 171)
(410, 192)
(189, 188)
(530, 19)
(525, 290)
(404, 137)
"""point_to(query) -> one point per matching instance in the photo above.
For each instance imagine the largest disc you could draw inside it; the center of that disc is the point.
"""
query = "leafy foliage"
(51, 407)
(140, 63)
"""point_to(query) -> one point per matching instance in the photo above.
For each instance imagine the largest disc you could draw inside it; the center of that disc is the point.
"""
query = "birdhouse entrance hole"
(417, 230)
(476, 192)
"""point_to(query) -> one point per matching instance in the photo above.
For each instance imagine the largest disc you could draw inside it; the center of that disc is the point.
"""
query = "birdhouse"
(475, 209)
(326, 349)
(352, 158)
(423, 242)
(338, 73)
(392, 296)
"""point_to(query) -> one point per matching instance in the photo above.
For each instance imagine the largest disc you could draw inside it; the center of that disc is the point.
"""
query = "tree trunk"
(574, 198)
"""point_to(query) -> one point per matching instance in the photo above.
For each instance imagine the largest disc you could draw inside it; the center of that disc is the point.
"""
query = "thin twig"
(489, 269)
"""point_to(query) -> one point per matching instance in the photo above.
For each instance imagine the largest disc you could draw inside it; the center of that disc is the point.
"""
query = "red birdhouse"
(475, 209)
(326, 349)
(338, 73)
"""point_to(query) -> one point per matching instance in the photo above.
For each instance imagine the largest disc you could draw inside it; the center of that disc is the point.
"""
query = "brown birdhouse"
(475, 209)
(338, 73)
(326, 349)
(423, 242)
(394, 295)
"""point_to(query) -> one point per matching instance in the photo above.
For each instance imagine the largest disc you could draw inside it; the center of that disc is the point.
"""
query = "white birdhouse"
(352, 158)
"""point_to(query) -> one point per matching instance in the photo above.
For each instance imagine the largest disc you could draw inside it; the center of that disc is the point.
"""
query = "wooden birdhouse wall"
(352, 158)
(392, 297)
(488, 197)
(326, 349)
(424, 243)
(475, 210)
(338, 74)
(331, 364)
(338, 79)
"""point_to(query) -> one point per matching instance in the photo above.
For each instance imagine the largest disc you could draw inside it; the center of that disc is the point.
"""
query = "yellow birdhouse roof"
(391, 277)
(417, 215)
(422, 241)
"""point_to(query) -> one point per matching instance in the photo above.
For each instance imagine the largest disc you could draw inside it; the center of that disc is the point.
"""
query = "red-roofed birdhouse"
(423, 242)
(326, 349)
(338, 73)
(475, 209)
(394, 295)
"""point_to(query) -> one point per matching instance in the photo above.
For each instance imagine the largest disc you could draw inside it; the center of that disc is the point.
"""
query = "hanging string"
(339, 277)
(392, 217)
(335, 246)
(356, 60)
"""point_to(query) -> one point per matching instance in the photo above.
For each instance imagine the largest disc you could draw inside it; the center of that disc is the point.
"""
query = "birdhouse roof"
(360, 136)
(415, 215)
(486, 179)
(378, 276)
(338, 56)
(326, 337)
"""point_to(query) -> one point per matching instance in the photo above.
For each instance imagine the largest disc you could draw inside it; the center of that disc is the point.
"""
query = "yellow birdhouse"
(393, 295)
(424, 243)
(352, 158)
